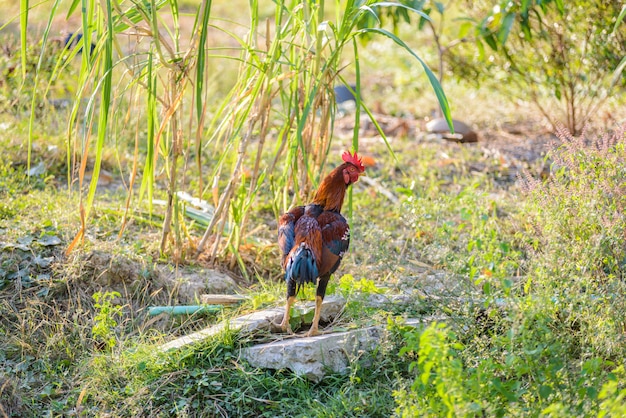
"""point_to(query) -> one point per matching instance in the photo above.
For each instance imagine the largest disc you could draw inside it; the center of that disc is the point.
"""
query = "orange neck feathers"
(332, 190)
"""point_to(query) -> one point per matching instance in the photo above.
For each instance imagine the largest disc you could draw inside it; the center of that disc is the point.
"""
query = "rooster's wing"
(335, 240)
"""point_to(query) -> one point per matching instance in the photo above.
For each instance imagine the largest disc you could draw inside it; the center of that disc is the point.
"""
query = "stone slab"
(312, 357)
(265, 320)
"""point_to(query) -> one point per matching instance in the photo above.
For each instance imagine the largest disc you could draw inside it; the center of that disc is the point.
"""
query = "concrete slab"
(312, 357)
(265, 320)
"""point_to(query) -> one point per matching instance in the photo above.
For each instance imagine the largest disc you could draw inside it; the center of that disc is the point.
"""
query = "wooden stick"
(222, 299)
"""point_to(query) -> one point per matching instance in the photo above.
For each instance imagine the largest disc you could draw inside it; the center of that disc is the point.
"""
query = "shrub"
(553, 341)
(561, 55)
(574, 233)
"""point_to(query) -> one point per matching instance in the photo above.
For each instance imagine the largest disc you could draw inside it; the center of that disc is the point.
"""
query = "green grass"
(211, 380)
(527, 276)
(526, 330)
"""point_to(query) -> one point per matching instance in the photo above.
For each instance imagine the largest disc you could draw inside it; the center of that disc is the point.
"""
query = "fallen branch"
(379, 188)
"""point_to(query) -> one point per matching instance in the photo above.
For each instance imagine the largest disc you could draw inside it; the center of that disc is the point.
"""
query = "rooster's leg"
(319, 298)
(291, 298)
(316, 318)
(285, 324)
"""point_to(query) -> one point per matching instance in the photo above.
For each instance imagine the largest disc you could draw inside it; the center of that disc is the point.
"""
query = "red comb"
(354, 160)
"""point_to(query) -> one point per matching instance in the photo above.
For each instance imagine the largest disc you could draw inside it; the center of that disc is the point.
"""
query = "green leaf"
(434, 82)
(34, 96)
(620, 18)
(105, 106)
(618, 71)
(200, 66)
(591, 392)
(426, 373)
(491, 41)
(391, 4)
(440, 7)
(422, 22)
(481, 49)
(464, 29)
(505, 29)
(72, 8)
(559, 6)
(545, 391)
(557, 93)
(23, 33)
(49, 240)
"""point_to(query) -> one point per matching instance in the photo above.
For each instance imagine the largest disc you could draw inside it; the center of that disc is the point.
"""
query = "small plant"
(613, 395)
(440, 387)
(559, 55)
(466, 235)
(349, 286)
(103, 330)
(356, 293)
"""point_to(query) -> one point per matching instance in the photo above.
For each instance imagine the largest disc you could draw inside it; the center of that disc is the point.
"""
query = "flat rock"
(462, 131)
(191, 285)
(381, 300)
(265, 320)
(312, 357)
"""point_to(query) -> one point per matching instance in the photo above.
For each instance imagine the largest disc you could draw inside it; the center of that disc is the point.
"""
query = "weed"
(105, 323)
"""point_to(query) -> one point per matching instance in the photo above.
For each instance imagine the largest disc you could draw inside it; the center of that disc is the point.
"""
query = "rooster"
(314, 238)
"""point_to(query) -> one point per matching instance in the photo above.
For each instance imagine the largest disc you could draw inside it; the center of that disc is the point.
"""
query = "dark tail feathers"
(301, 267)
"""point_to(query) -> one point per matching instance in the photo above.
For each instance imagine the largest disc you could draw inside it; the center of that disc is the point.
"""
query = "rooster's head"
(354, 167)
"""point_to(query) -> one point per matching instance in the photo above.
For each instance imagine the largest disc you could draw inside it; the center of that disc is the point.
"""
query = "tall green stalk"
(272, 128)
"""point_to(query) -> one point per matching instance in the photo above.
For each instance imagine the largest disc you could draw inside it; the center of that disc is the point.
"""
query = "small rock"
(37, 170)
(462, 132)
(380, 300)
(344, 94)
(191, 285)
(105, 178)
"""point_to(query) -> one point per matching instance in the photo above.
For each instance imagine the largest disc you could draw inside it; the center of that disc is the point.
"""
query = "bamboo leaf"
(33, 103)
(105, 107)
(201, 63)
(368, 9)
(559, 6)
(72, 8)
(147, 182)
(620, 18)
(441, 96)
(23, 35)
